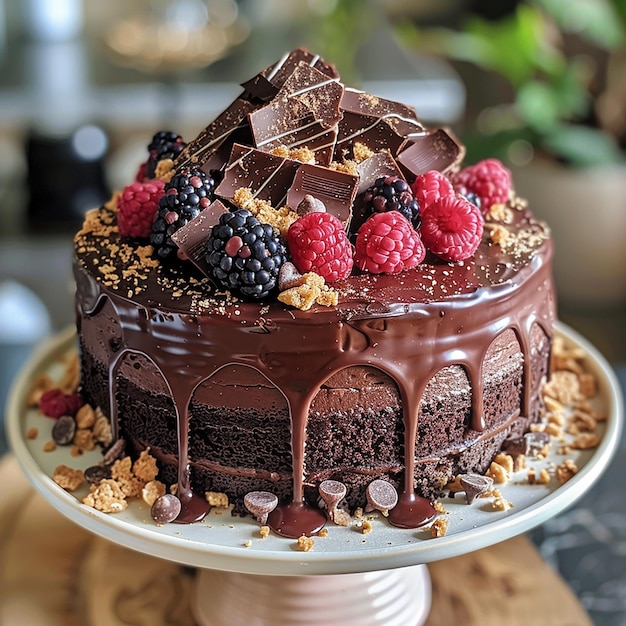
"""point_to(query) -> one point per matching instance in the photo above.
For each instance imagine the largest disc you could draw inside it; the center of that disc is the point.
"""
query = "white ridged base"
(397, 597)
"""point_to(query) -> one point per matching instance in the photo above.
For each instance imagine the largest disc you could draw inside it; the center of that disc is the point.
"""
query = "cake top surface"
(305, 197)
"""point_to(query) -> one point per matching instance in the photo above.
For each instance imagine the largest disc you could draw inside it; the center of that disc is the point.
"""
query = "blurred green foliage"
(552, 102)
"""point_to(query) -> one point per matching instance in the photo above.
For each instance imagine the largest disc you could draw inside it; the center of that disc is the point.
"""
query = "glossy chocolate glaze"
(410, 326)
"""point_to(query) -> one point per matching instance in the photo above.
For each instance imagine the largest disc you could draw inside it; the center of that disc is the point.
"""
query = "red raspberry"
(387, 244)
(137, 206)
(489, 180)
(452, 228)
(142, 173)
(55, 403)
(429, 187)
(318, 243)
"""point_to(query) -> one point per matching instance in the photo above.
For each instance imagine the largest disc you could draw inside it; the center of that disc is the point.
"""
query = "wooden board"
(54, 573)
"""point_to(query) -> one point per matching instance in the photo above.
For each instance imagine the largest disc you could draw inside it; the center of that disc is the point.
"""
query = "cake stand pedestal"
(348, 578)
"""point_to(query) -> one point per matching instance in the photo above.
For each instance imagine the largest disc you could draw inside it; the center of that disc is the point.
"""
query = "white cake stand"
(349, 578)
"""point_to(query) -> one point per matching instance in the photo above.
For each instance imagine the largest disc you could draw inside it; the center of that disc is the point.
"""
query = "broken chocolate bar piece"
(229, 127)
(191, 238)
(304, 114)
(278, 73)
(375, 122)
(334, 188)
(376, 166)
(437, 150)
(268, 176)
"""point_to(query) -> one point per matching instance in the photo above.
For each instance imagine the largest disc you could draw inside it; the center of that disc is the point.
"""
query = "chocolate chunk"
(375, 122)
(191, 238)
(334, 188)
(260, 504)
(268, 176)
(96, 473)
(475, 485)
(381, 496)
(310, 204)
(288, 276)
(165, 509)
(115, 452)
(535, 442)
(437, 150)
(64, 430)
(229, 127)
(279, 72)
(299, 122)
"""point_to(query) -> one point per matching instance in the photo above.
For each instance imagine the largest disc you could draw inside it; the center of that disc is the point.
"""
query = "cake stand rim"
(290, 562)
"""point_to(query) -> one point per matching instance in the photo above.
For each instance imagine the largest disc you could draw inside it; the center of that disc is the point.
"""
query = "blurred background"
(540, 84)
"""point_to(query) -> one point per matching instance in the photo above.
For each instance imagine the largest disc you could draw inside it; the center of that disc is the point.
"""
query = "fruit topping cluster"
(302, 170)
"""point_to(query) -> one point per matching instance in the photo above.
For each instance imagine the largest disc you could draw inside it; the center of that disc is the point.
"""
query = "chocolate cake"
(412, 375)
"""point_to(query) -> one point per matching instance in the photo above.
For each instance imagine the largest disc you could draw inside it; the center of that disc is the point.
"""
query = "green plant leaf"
(581, 145)
(597, 20)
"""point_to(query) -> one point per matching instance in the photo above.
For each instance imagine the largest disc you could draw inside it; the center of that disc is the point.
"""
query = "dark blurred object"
(65, 178)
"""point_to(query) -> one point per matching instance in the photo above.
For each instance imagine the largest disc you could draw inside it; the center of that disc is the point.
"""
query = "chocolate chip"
(260, 504)
(310, 204)
(165, 509)
(96, 473)
(332, 492)
(381, 495)
(288, 276)
(475, 485)
(115, 452)
(63, 430)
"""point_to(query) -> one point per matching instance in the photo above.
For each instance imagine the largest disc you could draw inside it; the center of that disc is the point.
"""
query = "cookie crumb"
(49, 446)
(565, 471)
(68, 478)
(305, 544)
(32, 432)
(439, 527)
(264, 532)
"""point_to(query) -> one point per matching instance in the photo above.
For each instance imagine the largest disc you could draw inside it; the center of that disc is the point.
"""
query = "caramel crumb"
(217, 499)
(305, 543)
(585, 441)
(49, 446)
(32, 433)
(85, 416)
(151, 491)
(107, 497)
(145, 467)
(439, 527)
(365, 526)
(498, 473)
(68, 478)
(565, 471)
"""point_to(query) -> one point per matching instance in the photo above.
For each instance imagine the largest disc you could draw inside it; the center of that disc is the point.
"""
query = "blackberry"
(189, 192)
(474, 198)
(245, 255)
(392, 193)
(164, 145)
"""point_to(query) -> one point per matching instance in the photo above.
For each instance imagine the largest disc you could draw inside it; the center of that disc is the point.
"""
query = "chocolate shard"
(210, 149)
(321, 92)
(378, 165)
(334, 188)
(437, 149)
(191, 238)
(375, 122)
(305, 113)
(268, 176)
(279, 72)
